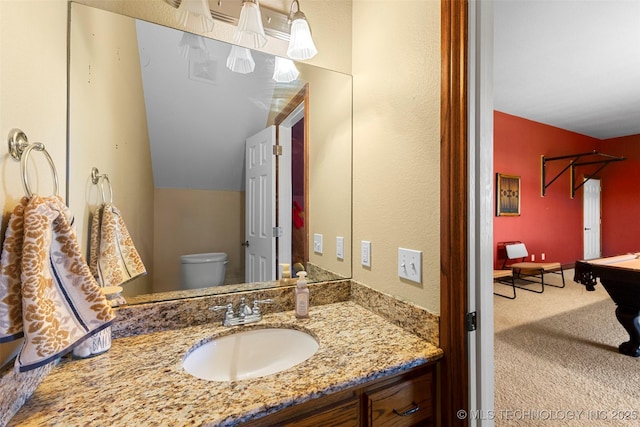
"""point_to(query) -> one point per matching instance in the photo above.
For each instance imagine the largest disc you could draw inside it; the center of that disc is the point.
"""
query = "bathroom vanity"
(405, 399)
(366, 372)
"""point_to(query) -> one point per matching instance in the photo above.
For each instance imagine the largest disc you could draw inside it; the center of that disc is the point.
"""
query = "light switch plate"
(317, 243)
(340, 247)
(410, 264)
(365, 253)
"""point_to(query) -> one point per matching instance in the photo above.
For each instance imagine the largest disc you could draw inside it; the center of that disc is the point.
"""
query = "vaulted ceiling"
(570, 64)
(199, 113)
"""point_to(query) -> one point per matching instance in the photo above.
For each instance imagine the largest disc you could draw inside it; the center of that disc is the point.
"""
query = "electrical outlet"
(340, 247)
(410, 265)
(365, 253)
(317, 243)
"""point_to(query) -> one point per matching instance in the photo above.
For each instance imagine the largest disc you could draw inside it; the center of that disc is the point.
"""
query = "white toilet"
(203, 270)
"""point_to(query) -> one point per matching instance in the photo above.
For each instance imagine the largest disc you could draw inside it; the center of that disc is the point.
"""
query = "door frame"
(285, 184)
(461, 242)
(467, 368)
(454, 383)
(302, 97)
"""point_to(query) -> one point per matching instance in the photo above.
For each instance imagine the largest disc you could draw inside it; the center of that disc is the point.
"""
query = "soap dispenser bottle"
(302, 296)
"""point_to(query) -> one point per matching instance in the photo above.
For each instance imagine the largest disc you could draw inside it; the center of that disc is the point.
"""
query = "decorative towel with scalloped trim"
(10, 268)
(113, 258)
(62, 304)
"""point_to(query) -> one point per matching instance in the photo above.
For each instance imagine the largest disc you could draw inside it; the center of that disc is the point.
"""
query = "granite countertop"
(140, 380)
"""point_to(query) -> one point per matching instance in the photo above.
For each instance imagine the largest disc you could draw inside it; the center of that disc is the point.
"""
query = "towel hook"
(20, 148)
(99, 179)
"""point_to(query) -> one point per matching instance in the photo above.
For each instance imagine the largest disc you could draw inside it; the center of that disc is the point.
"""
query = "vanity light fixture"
(275, 23)
(250, 31)
(196, 15)
(240, 60)
(301, 45)
(285, 70)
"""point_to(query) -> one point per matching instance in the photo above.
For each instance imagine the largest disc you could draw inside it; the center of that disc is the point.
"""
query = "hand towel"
(113, 258)
(62, 304)
(94, 241)
(10, 268)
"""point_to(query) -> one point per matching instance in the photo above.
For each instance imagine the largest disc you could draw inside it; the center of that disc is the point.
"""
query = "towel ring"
(20, 148)
(100, 179)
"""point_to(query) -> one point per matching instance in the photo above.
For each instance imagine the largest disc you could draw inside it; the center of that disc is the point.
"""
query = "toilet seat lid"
(206, 257)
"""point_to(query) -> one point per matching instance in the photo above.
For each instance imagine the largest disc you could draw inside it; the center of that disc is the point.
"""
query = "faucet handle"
(229, 310)
(256, 308)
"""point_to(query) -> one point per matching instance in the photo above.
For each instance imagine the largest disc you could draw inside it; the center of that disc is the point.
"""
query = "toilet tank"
(203, 270)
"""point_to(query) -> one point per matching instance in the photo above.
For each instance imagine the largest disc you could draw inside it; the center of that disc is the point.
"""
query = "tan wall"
(219, 216)
(330, 96)
(396, 74)
(33, 64)
(107, 120)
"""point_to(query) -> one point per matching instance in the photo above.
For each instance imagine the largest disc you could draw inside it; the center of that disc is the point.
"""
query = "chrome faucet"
(245, 313)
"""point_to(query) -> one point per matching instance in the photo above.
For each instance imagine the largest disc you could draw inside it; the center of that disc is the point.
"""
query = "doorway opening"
(292, 126)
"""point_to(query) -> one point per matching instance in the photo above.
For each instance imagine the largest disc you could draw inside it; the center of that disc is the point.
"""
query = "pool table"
(620, 277)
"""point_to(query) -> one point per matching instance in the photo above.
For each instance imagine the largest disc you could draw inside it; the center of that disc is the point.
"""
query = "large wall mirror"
(176, 131)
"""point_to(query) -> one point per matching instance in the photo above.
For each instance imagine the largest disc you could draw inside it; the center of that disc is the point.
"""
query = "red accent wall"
(620, 183)
(550, 224)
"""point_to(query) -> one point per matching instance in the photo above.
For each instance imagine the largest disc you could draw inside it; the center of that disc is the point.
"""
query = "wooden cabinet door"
(404, 404)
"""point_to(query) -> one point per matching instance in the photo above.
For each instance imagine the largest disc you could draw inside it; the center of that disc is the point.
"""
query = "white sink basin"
(249, 354)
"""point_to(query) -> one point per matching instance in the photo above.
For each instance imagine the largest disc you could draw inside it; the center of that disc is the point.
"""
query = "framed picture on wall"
(507, 195)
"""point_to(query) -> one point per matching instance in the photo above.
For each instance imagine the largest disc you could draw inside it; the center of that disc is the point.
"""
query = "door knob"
(586, 229)
(245, 244)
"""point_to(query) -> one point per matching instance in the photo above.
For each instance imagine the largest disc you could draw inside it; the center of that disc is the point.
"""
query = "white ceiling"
(570, 64)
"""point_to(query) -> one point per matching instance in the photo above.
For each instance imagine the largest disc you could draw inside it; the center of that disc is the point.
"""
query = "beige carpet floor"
(557, 360)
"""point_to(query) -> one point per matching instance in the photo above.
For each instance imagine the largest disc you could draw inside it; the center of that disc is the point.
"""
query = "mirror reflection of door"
(289, 236)
(291, 190)
(292, 183)
(299, 207)
(260, 207)
(284, 189)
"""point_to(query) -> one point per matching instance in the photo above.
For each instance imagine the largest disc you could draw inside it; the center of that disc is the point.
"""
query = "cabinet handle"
(413, 410)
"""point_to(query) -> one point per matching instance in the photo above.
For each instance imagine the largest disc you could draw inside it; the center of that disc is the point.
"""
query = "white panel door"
(260, 216)
(591, 208)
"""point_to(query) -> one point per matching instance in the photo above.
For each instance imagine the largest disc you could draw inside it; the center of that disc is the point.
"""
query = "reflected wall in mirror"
(170, 129)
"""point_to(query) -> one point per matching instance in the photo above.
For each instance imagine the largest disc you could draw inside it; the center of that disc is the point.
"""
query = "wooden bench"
(524, 270)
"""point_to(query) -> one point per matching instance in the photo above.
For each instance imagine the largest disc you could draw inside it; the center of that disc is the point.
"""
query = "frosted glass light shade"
(250, 31)
(285, 70)
(301, 45)
(193, 47)
(240, 60)
(195, 15)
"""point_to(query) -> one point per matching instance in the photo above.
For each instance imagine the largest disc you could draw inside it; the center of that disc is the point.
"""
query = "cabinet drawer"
(344, 415)
(407, 403)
